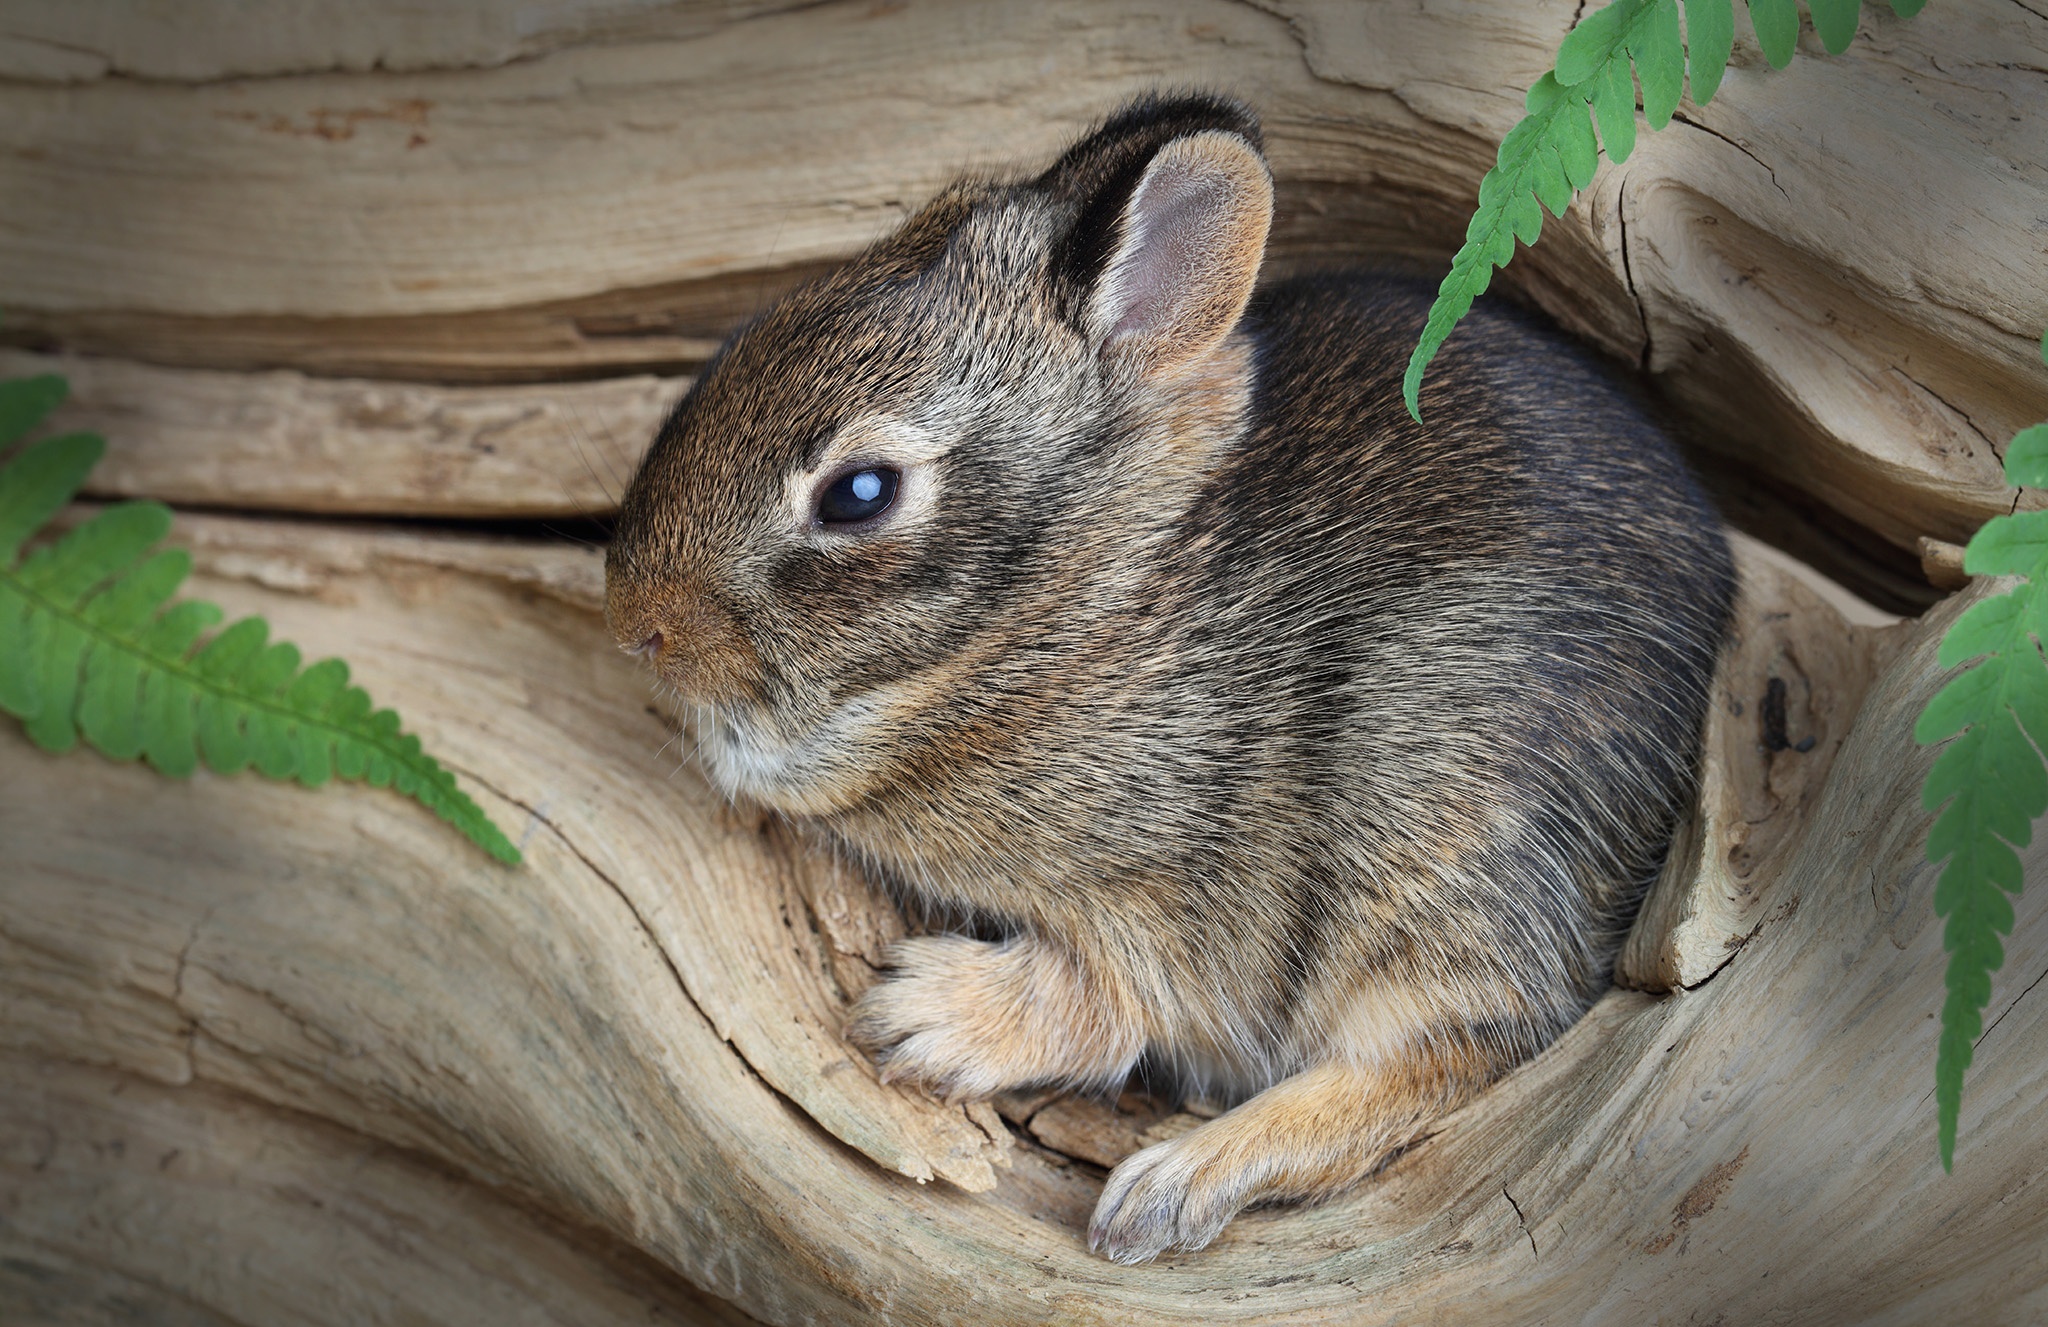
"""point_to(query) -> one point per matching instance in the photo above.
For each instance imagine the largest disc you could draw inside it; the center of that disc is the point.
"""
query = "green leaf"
(35, 485)
(271, 670)
(20, 635)
(1577, 151)
(1589, 46)
(176, 628)
(1964, 701)
(315, 688)
(220, 734)
(61, 650)
(228, 654)
(127, 605)
(1614, 107)
(1835, 21)
(1989, 783)
(1777, 29)
(1547, 180)
(170, 735)
(88, 647)
(1989, 627)
(1907, 8)
(1709, 42)
(110, 704)
(24, 402)
(1660, 61)
(2008, 545)
(2026, 458)
(93, 552)
(270, 742)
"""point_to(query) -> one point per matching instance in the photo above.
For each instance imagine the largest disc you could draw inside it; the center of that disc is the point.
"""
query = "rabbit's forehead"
(775, 400)
(802, 388)
(864, 365)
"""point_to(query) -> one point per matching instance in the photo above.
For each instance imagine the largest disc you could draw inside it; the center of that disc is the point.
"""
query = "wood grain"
(284, 441)
(633, 1034)
(446, 194)
(272, 1055)
(1791, 680)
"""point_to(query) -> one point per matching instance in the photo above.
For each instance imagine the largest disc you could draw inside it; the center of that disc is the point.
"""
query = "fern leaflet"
(1550, 155)
(1989, 783)
(89, 649)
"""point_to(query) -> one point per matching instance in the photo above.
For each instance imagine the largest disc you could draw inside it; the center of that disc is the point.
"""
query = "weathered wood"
(1783, 259)
(1799, 659)
(596, 1034)
(403, 1081)
(284, 441)
(128, 1176)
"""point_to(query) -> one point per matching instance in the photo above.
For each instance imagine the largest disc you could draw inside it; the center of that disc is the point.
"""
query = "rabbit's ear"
(1173, 204)
(1188, 249)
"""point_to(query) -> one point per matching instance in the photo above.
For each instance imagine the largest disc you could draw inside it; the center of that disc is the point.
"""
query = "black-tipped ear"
(1172, 202)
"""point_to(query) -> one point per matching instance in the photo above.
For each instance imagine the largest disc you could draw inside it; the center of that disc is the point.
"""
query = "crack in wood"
(1521, 1221)
(191, 1028)
(1680, 118)
(1958, 412)
(1629, 276)
(2008, 1009)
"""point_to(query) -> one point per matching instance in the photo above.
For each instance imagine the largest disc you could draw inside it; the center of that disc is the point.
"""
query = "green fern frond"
(88, 648)
(1989, 784)
(1551, 155)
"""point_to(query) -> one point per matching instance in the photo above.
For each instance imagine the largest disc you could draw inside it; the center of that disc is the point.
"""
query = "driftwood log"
(278, 1056)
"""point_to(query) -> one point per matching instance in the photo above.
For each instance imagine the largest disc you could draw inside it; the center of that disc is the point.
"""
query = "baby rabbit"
(1076, 588)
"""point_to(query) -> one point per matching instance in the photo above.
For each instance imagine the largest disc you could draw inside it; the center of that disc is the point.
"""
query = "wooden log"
(285, 441)
(582, 1087)
(1783, 259)
(128, 1176)
(635, 1036)
(1799, 660)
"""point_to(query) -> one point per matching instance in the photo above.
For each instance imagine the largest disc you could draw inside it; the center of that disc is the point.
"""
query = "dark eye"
(859, 496)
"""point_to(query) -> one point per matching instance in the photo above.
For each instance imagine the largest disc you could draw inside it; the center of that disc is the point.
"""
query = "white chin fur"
(750, 758)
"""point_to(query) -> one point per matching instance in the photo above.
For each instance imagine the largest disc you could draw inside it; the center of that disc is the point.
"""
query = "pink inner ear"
(1193, 235)
(1169, 215)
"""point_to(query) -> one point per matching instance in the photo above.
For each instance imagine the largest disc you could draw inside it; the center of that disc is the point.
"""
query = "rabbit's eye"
(860, 496)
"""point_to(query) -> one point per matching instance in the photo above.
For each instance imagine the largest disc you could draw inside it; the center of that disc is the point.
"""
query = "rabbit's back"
(1459, 668)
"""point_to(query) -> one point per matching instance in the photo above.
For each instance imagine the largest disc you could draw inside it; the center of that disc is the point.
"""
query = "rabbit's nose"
(699, 648)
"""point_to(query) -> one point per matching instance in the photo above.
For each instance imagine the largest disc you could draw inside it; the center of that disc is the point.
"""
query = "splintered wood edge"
(1800, 644)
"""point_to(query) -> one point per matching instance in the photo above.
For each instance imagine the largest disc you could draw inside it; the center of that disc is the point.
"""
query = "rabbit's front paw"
(926, 1023)
(969, 1018)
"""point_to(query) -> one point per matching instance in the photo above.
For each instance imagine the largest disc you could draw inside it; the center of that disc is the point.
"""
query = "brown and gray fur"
(1261, 733)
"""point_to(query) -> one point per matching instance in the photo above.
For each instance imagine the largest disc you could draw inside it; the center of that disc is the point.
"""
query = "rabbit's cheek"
(821, 770)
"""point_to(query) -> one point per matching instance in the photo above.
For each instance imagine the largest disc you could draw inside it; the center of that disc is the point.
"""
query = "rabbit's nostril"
(651, 647)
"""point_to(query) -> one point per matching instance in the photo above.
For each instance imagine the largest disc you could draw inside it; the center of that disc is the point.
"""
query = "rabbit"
(1073, 585)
